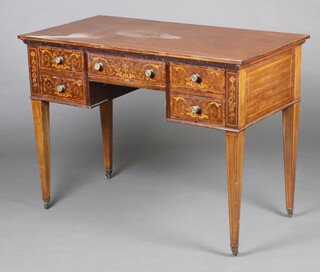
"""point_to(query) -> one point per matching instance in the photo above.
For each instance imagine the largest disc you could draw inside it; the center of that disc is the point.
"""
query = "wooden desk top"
(205, 43)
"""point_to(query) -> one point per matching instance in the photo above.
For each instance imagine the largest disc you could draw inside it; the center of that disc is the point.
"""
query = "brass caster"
(234, 249)
(290, 212)
(108, 174)
(46, 204)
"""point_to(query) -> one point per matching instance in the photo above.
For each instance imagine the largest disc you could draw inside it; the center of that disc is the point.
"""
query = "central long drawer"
(136, 72)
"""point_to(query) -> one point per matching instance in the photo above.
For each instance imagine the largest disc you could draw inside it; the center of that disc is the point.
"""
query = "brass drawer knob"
(196, 109)
(149, 73)
(195, 78)
(58, 60)
(98, 66)
(61, 88)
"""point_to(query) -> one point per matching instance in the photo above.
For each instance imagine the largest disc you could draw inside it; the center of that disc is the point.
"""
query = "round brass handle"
(149, 73)
(195, 109)
(61, 88)
(58, 60)
(98, 66)
(195, 78)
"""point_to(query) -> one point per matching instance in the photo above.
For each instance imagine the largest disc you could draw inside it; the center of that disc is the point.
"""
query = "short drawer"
(202, 80)
(61, 59)
(197, 109)
(135, 72)
(62, 88)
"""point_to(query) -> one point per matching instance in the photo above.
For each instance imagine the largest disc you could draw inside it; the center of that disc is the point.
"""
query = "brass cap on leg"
(46, 204)
(290, 212)
(234, 249)
(108, 174)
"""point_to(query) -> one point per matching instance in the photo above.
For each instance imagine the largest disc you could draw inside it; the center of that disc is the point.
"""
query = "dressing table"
(222, 78)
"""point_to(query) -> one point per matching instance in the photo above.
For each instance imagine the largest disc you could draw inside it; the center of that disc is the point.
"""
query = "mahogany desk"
(213, 77)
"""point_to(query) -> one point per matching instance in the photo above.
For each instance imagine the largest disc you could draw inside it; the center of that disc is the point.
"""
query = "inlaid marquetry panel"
(74, 89)
(231, 99)
(210, 81)
(72, 60)
(268, 85)
(211, 110)
(126, 70)
(33, 69)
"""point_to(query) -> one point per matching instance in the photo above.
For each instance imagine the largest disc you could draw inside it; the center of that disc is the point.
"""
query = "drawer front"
(62, 88)
(208, 110)
(203, 80)
(61, 59)
(111, 69)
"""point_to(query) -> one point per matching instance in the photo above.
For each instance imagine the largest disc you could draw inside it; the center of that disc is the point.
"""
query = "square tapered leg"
(234, 154)
(42, 134)
(106, 117)
(290, 145)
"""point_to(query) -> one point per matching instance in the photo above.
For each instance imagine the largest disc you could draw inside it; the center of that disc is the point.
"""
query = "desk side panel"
(268, 86)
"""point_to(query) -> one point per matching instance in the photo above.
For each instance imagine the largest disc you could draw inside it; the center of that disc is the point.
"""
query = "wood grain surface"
(209, 43)
(106, 118)
(269, 85)
(41, 120)
(234, 155)
(290, 149)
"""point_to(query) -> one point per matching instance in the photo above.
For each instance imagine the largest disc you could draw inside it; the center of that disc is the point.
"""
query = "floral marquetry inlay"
(231, 99)
(211, 111)
(71, 60)
(73, 88)
(211, 80)
(33, 68)
(125, 69)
